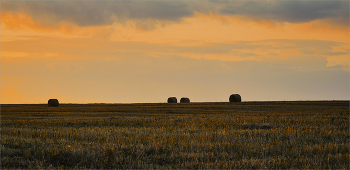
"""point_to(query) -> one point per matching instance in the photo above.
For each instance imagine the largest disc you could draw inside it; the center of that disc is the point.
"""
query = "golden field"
(246, 135)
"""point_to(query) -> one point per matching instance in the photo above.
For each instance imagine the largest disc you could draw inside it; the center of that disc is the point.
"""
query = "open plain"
(246, 135)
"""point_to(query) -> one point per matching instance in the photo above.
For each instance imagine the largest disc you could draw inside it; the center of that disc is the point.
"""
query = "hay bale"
(172, 100)
(53, 102)
(184, 100)
(235, 98)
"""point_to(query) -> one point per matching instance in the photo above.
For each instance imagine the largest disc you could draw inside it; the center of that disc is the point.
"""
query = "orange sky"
(206, 50)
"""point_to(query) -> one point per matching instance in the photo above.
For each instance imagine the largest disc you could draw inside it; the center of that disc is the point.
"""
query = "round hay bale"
(184, 100)
(235, 98)
(53, 102)
(172, 100)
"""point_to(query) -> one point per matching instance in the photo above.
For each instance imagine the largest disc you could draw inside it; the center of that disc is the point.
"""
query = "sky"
(134, 51)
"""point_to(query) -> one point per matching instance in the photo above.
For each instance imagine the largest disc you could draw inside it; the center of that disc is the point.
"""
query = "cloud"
(291, 11)
(97, 13)
(206, 51)
(79, 48)
(146, 13)
(93, 70)
(54, 12)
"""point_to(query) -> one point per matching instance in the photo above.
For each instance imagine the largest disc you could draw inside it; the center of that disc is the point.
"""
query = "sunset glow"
(146, 51)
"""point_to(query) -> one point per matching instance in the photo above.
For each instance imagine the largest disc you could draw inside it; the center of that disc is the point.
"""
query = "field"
(247, 135)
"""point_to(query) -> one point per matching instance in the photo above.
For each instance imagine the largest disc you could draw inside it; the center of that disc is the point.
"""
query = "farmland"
(264, 135)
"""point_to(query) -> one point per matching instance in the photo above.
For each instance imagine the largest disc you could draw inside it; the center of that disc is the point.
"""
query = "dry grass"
(247, 135)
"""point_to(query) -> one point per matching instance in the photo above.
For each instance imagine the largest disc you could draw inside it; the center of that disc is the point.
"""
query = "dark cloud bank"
(291, 11)
(94, 13)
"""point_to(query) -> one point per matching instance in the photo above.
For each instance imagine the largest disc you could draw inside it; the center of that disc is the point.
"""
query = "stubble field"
(247, 135)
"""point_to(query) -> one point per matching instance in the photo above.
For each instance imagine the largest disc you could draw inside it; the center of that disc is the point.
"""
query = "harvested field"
(246, 135)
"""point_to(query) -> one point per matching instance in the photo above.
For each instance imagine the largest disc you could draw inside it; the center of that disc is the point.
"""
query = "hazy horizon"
(165, 102)
(146, 51)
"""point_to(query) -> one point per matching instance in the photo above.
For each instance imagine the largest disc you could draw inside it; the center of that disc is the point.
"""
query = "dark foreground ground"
(264, 135)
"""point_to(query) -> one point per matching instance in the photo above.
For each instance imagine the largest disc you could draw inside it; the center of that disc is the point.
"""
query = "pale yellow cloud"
(342, 60)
